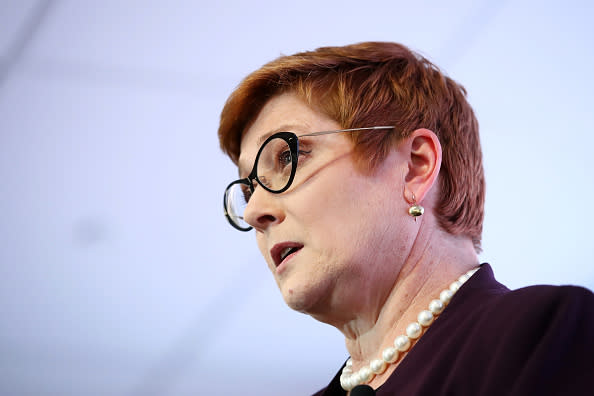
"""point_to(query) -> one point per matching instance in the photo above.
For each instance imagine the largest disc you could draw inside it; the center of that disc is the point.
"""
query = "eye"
(305, 149)
(285, 158)
(303, 153)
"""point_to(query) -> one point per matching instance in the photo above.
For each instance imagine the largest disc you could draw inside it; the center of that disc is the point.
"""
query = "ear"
(423, 152)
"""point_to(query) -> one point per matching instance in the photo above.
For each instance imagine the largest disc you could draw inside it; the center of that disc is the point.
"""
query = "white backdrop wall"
(119, 274)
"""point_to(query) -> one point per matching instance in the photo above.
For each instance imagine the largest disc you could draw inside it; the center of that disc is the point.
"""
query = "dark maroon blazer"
(537, 340)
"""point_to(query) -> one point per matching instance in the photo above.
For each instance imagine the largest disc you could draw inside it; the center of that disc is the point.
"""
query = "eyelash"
(302, 153)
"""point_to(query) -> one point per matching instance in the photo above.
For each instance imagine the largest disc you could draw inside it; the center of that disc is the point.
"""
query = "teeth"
(285, 252)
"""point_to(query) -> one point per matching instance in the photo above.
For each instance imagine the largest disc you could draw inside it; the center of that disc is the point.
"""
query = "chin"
(304, 297)
(296, 300)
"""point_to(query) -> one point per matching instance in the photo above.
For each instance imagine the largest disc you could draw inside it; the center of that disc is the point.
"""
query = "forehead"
(285, 112)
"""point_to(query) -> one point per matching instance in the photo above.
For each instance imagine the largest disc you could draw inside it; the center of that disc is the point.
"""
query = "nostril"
(266, 219)
(263, 210)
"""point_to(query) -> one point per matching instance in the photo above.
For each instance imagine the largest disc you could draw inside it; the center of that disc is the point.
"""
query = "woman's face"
(337, 238)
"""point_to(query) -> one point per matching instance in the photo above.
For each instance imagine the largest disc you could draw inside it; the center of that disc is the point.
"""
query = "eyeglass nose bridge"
(261, 208)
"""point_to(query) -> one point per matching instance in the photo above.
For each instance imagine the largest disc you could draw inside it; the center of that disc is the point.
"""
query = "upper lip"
(277, 251)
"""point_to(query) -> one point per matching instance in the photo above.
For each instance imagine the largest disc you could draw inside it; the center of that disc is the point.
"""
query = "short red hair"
(377, 83)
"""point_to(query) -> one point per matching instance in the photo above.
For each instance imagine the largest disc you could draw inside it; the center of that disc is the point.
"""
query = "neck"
(375, 372)
(428, 270)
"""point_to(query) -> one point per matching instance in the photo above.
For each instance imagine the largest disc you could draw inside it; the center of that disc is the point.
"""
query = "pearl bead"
(345, 383)
(378, 366)
(455, 286)
(349, 363)
(425, 318)
(365, 375)
(446, 295)
(463, 278)
(436, 307)
(352, 382)
(390, 355)
(413, 330)
(402, 343)
(344, 376)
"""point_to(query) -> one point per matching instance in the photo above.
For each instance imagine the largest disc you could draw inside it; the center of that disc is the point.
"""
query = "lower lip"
(281, 267)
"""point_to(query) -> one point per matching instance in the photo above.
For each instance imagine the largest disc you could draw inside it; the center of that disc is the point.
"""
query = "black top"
(537, 340)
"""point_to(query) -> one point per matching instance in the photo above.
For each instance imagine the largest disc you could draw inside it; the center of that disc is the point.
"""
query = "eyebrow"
(282, 128)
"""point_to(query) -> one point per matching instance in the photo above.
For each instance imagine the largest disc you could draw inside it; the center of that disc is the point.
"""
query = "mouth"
(281, 251)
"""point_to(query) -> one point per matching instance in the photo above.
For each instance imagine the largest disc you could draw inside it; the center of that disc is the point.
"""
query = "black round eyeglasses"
(274, 169)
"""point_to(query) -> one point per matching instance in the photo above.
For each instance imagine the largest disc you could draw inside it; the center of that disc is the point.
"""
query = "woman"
(361, 174)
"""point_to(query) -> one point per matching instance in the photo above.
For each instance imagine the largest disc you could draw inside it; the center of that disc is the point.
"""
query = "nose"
(263, 210)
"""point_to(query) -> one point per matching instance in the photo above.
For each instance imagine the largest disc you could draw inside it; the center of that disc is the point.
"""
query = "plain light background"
(119, 274)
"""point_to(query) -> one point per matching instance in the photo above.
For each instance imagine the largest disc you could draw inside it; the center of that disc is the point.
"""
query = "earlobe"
(423, 151)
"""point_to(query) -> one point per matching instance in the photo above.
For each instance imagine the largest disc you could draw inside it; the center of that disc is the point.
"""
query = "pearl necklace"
(402, 343)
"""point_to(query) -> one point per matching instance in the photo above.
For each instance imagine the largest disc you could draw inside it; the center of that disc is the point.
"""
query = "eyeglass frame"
(292, 140)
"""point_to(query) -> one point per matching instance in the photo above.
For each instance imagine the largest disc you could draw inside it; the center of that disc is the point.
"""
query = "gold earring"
(415, 209)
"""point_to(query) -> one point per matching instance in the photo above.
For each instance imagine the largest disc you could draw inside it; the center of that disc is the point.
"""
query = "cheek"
(340, 209)
(345, 199)
(261, 241)
(357, 214)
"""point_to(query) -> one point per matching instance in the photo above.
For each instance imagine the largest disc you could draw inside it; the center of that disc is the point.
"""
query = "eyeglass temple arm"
(346, 130)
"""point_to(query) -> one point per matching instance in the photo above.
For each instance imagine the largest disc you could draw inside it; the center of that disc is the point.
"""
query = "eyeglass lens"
(273, 170)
